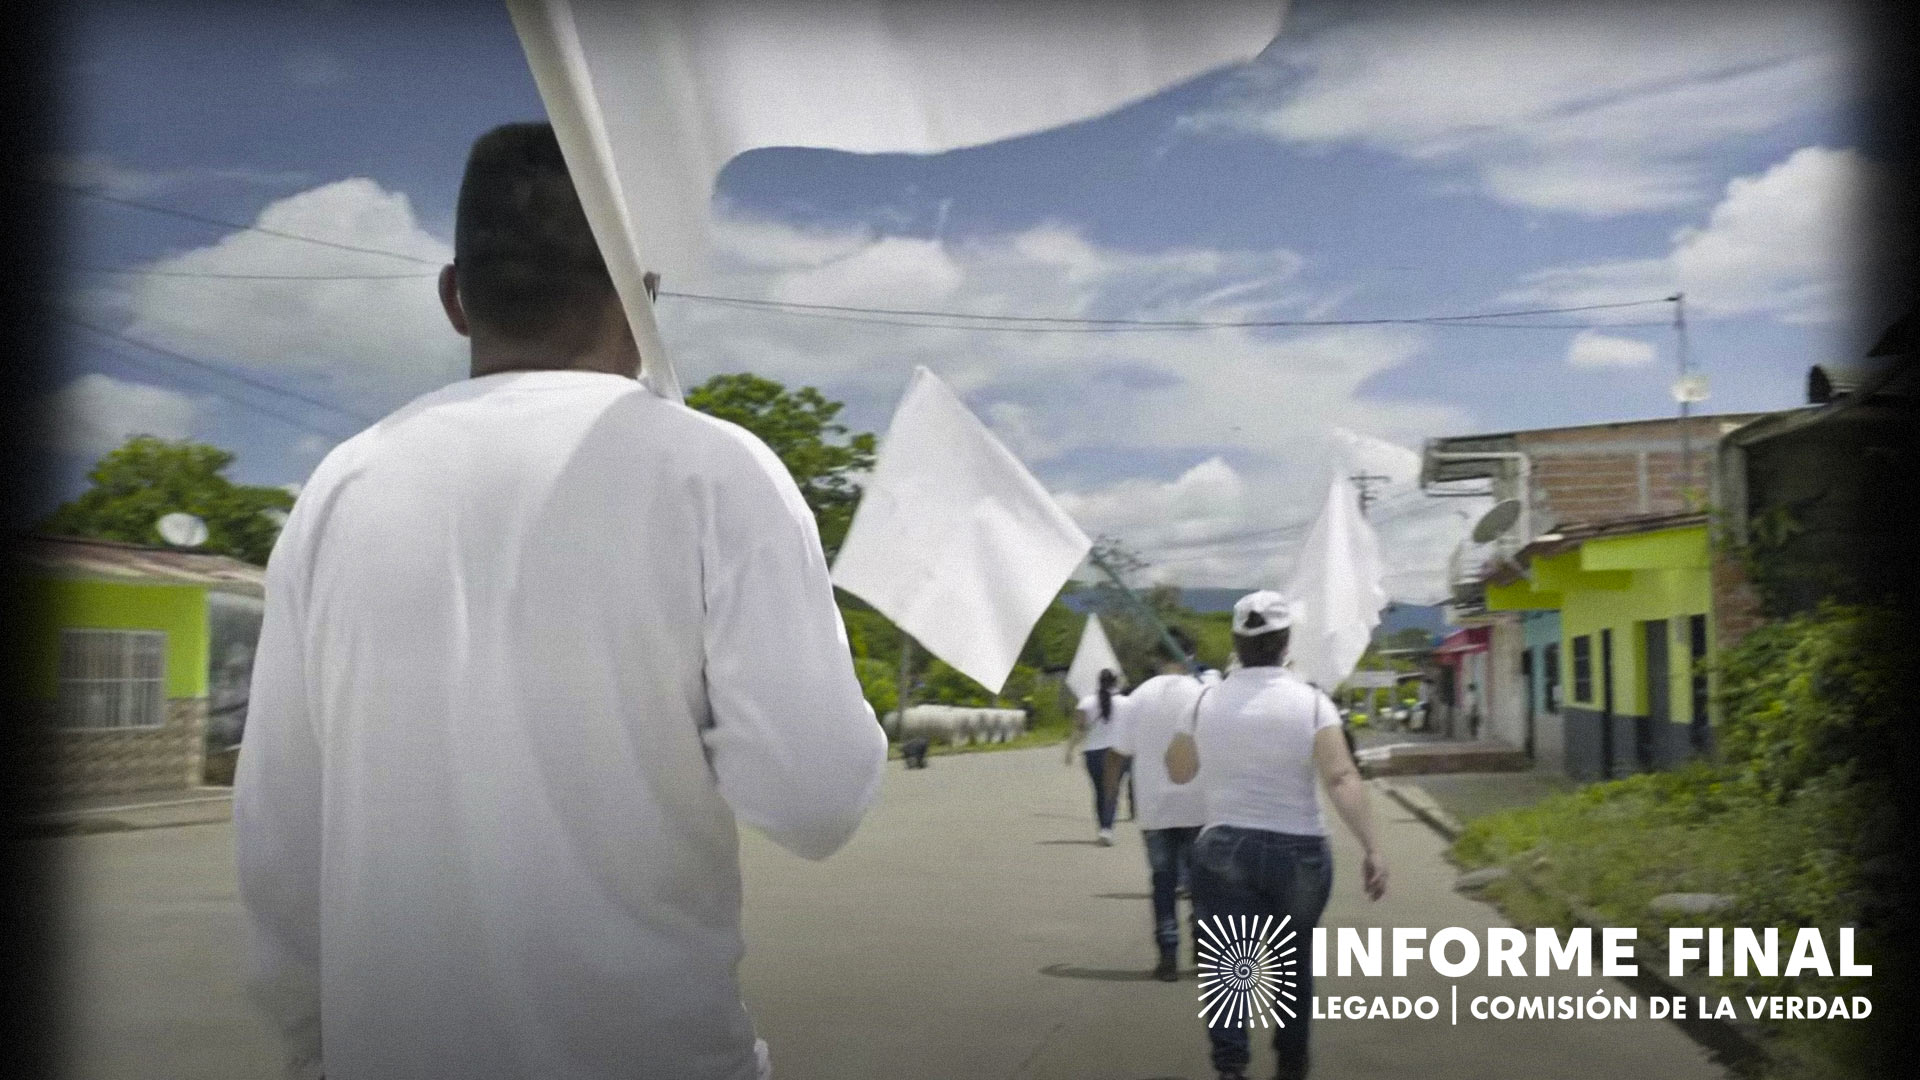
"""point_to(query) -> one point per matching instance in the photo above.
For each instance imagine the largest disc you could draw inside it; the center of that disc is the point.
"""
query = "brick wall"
(1598, 473)
(86, 764)
(1736, 606)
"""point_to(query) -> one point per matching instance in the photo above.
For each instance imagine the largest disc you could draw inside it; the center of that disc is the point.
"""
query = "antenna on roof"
(1496, 521)
(182, 530)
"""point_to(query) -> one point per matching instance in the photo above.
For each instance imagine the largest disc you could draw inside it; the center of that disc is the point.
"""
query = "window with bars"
(112, 678)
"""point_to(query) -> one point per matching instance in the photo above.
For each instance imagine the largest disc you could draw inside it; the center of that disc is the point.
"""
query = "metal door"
(1659, 689)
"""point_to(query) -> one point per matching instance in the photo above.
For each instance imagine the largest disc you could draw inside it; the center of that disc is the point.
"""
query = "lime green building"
(136, 660)
(1634, 598)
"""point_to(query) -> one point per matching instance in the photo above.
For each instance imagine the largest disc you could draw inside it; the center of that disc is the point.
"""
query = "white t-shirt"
(1099, 732)
(1155, 711)
(1255, 736)
(533, 644)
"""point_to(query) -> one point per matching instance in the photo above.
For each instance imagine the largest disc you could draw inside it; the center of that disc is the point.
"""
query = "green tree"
(1055, 636)
(134, 486)
(945, 685)
(1407, 637)
(801, 429)
(877, 683)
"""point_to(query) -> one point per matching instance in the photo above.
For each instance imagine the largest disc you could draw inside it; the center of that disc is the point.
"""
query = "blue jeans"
(1103, 809)
(1254, 872)
(1168, 853)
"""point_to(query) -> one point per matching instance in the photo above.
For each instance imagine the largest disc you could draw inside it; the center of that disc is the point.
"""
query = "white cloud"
(1781, 243)
(1170, 441)
(1592, 349)
(97, 413)
(1209, 500)
(366, 343)
(1594, 111)
(912, 272)
(1216, 525)
(1788, 243)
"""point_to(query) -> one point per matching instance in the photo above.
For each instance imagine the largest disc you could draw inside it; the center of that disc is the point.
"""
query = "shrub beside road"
(1783, 828)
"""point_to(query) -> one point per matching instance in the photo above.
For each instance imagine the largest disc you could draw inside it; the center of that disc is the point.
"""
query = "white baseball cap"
(1261, 612)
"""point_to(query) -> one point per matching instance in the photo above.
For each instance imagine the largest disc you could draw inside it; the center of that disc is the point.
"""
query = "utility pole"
(1684, 391)
(1365, 481)
(900, 697)
(1146, 610)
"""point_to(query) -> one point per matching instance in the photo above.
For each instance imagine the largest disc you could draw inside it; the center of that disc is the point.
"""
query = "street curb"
(1733, 1043)
(1423, 807)
(205, 809)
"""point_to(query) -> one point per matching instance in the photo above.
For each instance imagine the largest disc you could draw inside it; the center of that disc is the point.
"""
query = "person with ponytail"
(1093, 721)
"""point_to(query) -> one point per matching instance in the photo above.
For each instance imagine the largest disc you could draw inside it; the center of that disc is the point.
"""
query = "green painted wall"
(178, 610)
(1619, 583)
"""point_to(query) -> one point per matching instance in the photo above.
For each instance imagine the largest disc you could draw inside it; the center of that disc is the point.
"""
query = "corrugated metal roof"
(107, 560)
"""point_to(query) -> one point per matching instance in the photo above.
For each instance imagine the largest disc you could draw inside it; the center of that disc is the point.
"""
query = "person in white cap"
(1260, 736)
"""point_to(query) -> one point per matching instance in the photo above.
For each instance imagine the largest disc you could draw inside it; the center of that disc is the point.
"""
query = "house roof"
(1877, 387)
(1826, 382)
(1572, 536)
(109, 560)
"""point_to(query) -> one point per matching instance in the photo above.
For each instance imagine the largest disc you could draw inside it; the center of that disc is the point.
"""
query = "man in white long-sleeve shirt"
(533, 644)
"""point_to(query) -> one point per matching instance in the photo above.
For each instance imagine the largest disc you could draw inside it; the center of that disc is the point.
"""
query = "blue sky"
(1377, 160)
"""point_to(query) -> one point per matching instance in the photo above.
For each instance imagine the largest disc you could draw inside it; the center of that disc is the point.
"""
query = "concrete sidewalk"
(972, 930)
(1461, 797)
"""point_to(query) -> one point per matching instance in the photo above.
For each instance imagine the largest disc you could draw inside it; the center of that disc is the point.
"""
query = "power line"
(797, 311)
(221, 223)
(1059, 323)
(136, 271)
(154, 363)
(984, 324)
(1182, 323)
(216, 369)
(1404, 503)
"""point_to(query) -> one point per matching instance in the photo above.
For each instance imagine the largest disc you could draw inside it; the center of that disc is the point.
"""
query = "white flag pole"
(552, 43)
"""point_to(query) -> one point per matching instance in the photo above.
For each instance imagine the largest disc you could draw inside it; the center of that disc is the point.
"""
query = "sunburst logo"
(1248, 969)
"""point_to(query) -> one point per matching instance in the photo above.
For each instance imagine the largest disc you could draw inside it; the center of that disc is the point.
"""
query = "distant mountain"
(1428, 617)
(1080, 601)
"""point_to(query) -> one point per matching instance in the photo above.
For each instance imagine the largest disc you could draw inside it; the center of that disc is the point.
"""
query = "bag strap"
(1193, 722)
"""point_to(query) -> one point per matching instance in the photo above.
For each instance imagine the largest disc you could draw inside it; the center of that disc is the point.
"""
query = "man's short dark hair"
(1261, 650)
(524, 257)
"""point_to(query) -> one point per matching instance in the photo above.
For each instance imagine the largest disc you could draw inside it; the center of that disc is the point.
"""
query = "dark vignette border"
(29, 880)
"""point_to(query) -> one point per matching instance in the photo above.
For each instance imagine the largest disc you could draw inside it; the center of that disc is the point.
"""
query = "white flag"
(651, 98)
(1336, 590)
(954, 540)
(1094, 654)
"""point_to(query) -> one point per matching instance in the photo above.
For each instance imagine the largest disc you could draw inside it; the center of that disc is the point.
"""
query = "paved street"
(972, 930)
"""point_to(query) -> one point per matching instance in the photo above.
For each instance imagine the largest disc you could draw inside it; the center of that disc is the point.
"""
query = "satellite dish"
(182, 530)
(1690, 389)
(275, 515)
(1496, 521)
